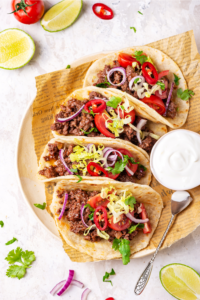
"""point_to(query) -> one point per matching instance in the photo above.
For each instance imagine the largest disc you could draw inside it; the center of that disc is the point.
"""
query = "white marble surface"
(54, 51)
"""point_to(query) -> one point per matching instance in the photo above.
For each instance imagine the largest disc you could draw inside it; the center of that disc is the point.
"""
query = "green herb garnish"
(140, 12)
(25, 258)
(130, 201)
(104, 84)
(80, 178)
(11, 241)
(176, 80)
(136, 80)
(91, 216)
(120, 165)
(177, 109)
(114, 101)
(74, 170)
(133, 28)
(161, 84)
(1, 223)
(122, 107)
(68, 67)
(106, 276)
(140, 57)
(184, 95)
(41, 206)
(123, 246)
(134, 227)
(92, 129)
(142, 167)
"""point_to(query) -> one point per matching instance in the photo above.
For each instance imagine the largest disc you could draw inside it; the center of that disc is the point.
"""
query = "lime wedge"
(61, 15)
(16, 48)
(181, 281)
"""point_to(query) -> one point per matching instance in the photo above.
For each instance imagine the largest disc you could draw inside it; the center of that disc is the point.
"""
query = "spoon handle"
(144, 278)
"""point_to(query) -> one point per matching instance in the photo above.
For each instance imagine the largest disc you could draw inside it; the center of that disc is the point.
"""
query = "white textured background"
(54, 51)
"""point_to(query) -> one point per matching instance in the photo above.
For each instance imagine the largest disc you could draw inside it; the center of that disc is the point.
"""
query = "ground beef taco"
(148, 76)
(95, 112)
(102, 158)
(105, 220)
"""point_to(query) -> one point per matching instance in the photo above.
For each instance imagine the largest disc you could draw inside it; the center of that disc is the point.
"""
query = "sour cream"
(175, 160)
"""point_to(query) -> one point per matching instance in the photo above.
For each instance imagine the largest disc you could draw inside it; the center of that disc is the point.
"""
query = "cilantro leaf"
(92, 129)
(140, 12)
(106, 276)
(133, 28)
(90, 207)
(161, 84)
(139, 57)
(1, 223)
(122, 107)
(130, 201)
(134, 227)
(116, 243)
(136, 80)
(40, 206)
(28, 257)
(74, 170)
(142, 167)
(86, 112)
(176, 79)
(177, 109)
(123, 246)
(114, 101)
(119, 166)
(11, 241)
(132, 160)
(14, 256)
(68, 67)
(16, 271)
(80, 178)
(104, 84)
(184, 95)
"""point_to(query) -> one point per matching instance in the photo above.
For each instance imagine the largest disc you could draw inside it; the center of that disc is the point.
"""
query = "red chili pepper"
(148, 68)
(96, 109)
(102, 13)
(103, 217)
(110, 298)
(96, 169)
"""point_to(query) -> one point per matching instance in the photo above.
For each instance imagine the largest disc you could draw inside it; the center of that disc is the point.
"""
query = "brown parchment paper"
(53, 88)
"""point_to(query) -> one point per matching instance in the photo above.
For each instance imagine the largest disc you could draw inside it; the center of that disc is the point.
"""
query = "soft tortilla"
(139, 154)
(102, 250)
(162, 62)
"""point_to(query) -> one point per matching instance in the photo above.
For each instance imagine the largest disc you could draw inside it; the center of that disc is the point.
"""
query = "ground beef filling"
(72, 213)
(59, 169)
(130, 73)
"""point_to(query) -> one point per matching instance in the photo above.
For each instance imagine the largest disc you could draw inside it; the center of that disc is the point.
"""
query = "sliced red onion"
(106, 149)
(85, 294)
(82, 219)
(129, 170)
(133, 219)
(67, 284)
(62, 120)
(64, 205)
(107, 153)
(141, 123)
(77, 283)
(139, 84)
(63, 161)
(169, 98)
(57, 287)
(113, 157)
(119, 69)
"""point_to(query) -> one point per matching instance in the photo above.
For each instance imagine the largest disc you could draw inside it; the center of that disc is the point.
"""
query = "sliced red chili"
(95, 170)
(94, 104)
(100, 217)
(104, 12)
(148, 70)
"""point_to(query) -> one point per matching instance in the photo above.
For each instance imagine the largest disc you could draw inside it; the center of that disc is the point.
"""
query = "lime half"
(181, 281)
(16, 48)
(61, 15)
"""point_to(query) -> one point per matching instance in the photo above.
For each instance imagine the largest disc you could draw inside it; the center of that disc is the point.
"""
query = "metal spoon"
(179, 201)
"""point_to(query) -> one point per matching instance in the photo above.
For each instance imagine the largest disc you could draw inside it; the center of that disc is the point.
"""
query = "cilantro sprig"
(1, 223)
(104, 84)
(68, 67)
(133, 28)
(25, 258)
(120, 165)
(140, 57)
(123, 246)
(86, 112)
(107, 275)
(176, 80)
(91, 216)
(184, 95)
(74, 170)
(40, 206)
(11, 241)
(140, 12)
(80, 178)
(114, 101)
(134, 227)
(92, 129)
(130, 201)
(161, 84)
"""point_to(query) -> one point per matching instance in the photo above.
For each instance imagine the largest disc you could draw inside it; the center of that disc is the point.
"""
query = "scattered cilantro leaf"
(140, 57)
(142, 167)
(114, 101)
(11, 241)
(68, 67)
(119, 166)
(177, 109)
(106, 276)
(92, 129)
(176, 80)
(132, 160)
(104, 84)
(20, 256)
(86, 112)
(136, 80)
(184, 95)
(161, 84)
(122, 107)
(80, 178)
(74, 170)
(1, 223)
(133, 28)
(116, 243)
(91, 216)
(123, 246)
(41, 206)
(140, 12)
(130, 201)
(134, 227)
